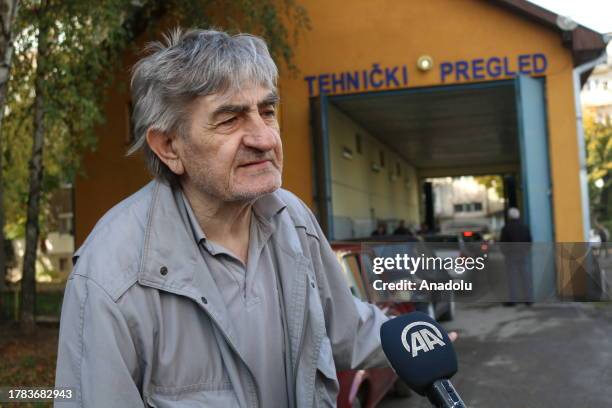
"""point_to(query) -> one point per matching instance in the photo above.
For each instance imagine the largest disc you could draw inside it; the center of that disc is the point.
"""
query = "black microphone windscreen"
(418, 349)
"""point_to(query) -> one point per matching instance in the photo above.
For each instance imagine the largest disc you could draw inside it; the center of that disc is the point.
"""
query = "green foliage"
(598, 140)
(87, 40)
(492, 181)
(75, 71)
(266, 18)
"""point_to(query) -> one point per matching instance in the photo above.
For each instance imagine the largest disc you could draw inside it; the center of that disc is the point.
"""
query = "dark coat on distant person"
(402, 231)
(515, 231)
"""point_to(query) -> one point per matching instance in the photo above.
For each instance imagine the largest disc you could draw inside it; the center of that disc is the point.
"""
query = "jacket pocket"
(197, 395)
(326, 382)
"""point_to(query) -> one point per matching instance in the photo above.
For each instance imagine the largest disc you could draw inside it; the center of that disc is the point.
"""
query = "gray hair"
(514, 213)
(188, 65)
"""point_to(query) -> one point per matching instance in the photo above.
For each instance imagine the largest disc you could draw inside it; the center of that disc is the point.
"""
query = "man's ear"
(164, 146)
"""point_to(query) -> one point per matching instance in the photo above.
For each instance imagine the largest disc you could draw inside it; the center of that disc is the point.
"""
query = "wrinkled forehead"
(247, 95)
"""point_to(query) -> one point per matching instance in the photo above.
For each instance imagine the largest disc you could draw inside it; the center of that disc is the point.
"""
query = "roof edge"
(584, 43)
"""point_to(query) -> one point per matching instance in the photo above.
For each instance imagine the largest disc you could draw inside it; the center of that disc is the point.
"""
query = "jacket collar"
(171, 260)
(265, 208)
(167, 244)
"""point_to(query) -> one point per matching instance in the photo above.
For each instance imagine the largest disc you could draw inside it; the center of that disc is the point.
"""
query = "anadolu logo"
(424, 339)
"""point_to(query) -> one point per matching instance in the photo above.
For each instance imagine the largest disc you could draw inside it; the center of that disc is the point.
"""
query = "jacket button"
(163, 270)
(204, 300)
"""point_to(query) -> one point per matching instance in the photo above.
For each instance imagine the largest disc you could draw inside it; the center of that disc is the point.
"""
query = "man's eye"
(228, 121)
(269, 113)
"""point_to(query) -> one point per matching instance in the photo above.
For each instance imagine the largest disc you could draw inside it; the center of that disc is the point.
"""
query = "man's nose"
(260, 135)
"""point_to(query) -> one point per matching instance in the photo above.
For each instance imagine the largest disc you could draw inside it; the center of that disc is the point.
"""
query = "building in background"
(392, 95)
(433, 89)
(596, 95)
(56, 247)
(463, 204)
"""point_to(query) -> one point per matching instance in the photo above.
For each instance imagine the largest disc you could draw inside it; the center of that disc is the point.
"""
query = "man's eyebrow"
(271, 99)
(228, 108)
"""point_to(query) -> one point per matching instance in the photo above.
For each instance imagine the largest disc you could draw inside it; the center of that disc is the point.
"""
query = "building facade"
(390, 94)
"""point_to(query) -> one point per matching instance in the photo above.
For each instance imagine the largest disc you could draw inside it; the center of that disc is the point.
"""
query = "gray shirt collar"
(264, 208)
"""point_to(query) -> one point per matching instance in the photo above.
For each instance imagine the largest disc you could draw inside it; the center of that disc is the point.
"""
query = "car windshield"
(441, 238)
(352, 271)
(470, 236)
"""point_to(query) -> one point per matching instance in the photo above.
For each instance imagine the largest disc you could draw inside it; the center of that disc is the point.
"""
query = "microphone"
(423, 356)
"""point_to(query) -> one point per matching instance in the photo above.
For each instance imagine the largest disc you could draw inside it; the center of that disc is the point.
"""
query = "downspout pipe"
(584, 186)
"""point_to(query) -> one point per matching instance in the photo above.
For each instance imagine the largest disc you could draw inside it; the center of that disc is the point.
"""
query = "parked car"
(466, 243)
(440, 305)
(365, 388)
(476, 243)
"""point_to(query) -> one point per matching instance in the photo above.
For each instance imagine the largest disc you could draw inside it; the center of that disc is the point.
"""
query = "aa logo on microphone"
(424, 339)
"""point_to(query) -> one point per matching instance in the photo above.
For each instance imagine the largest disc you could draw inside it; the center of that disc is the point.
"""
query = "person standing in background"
(401, 229)
(604, 237)
(380, 230)
(514, 235)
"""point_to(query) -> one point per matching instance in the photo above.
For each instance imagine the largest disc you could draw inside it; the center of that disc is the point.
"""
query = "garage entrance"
(373, 151)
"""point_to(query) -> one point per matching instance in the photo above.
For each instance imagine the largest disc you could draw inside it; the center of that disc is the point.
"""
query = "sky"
(594, 14)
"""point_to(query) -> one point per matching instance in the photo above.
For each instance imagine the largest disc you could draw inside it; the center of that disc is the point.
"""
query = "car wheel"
(431, 310)
(401, 390)
(449, 314)
(428, 308)
(361, 398)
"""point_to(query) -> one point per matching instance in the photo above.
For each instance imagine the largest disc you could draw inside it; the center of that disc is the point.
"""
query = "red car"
(365, 388)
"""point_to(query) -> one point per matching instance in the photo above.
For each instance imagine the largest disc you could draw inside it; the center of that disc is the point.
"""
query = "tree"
(598, 140)
(8, 11)
(492, 181)
(67, 51)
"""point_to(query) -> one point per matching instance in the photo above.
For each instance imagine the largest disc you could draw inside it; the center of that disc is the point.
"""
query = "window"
(63, 263)
(592, 85)
(358, 143)
(467, 207)
(347, 153)
(352, 269)
(65, 223)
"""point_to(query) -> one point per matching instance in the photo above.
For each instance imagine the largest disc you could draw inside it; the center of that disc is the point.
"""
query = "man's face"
(233, 150)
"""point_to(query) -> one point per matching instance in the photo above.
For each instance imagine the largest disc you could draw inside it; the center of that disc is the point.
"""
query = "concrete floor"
(548, 355)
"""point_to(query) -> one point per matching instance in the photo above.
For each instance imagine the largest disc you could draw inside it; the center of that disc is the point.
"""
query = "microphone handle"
(442, 394)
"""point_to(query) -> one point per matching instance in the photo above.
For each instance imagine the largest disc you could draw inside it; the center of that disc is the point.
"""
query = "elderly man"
(211, 286)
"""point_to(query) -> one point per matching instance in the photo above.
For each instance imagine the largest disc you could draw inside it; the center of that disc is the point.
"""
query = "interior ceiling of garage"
(442, 129)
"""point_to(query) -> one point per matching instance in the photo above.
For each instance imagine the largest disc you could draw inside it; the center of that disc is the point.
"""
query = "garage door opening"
(374, 152)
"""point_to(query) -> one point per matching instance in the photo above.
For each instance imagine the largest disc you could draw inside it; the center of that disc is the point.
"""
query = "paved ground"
(550, 355)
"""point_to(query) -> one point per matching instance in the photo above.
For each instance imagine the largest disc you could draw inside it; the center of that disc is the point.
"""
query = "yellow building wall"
(109, 176)
(348, 36)
(360, 193)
